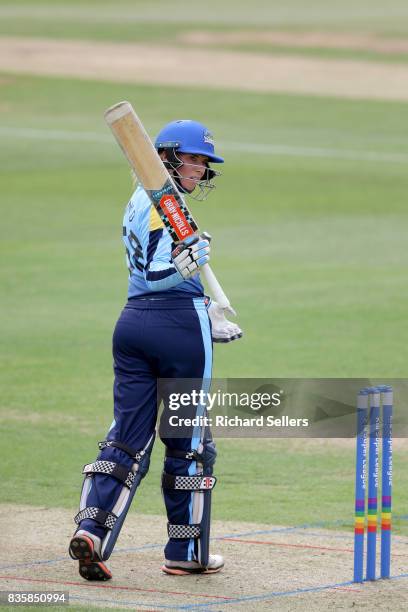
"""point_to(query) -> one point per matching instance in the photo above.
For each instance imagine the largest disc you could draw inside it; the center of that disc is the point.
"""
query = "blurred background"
(308, 104)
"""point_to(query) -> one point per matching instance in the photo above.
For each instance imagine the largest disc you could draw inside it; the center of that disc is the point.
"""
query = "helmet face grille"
(203, 187)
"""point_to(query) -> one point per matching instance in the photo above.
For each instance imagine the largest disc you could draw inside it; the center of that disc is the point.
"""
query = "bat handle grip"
(216, 289)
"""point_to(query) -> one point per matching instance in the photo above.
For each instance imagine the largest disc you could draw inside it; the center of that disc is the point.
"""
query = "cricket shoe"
(85, 547)
(182, 568)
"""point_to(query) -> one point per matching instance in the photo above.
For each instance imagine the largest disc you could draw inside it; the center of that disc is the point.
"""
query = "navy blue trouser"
(153, 338)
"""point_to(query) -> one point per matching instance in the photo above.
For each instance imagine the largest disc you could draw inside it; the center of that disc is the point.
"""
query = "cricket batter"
(166, 330)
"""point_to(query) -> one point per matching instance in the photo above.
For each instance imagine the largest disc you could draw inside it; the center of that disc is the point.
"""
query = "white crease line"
(239, 147)
(263, 15)
(295, 151)
(40, 134)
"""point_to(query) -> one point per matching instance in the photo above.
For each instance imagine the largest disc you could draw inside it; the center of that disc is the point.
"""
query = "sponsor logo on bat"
(171, 209)
(167, 189)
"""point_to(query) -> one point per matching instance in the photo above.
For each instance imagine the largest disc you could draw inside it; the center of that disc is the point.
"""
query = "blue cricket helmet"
(186, 136)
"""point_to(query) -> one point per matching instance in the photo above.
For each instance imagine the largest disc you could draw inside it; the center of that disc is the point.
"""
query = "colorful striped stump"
(361, 469)
(369, 404)
(387, 402)
(373, 460)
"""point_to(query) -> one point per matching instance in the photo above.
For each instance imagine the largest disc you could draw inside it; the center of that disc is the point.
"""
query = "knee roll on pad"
(113, 520)
(201, 485)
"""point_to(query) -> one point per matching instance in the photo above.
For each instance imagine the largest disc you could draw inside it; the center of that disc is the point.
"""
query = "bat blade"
(136, 145)
(157, 182)
(150, 170)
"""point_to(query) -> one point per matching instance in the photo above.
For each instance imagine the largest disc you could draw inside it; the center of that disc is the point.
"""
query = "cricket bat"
(158, 184)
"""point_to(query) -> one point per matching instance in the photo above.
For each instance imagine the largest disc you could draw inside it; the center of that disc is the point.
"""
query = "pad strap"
(137, 455)
(183, 531)
(188, 483)
(179, 454)
(103, 517)
(118, 471)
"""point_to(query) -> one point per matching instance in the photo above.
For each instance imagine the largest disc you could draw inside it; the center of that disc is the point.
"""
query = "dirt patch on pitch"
(267, 567)
(364, 41)
(255, 72)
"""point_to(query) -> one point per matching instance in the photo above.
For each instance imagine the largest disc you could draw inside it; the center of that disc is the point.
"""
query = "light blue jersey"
(148, 253)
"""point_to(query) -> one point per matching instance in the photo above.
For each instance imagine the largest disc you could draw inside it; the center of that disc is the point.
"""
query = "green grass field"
(141, 20)
(309, 224)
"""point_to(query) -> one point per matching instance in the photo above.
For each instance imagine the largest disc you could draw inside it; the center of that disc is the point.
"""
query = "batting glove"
(222, 330)
(190, 254)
